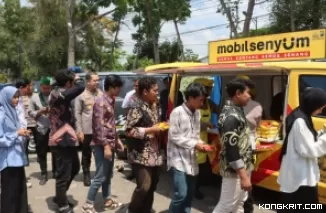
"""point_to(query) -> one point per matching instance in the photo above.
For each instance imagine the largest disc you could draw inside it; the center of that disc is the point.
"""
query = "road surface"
(40, 197)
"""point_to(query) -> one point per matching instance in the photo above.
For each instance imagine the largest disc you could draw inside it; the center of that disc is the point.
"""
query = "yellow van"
(271, 78)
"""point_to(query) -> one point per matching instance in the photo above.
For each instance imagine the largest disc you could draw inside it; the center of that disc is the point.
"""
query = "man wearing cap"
(38, 110)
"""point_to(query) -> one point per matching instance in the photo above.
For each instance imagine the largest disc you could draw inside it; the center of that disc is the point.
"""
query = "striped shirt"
(184, 134)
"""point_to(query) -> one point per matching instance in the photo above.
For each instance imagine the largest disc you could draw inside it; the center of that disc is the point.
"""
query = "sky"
(203, 16)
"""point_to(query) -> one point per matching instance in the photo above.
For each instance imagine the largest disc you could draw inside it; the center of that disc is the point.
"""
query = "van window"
(317, 81)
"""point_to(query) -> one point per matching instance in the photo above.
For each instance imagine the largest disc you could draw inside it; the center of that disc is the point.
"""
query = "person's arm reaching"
(305, 143)
(70, 94)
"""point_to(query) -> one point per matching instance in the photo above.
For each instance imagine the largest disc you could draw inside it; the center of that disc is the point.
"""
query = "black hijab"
(311, 100)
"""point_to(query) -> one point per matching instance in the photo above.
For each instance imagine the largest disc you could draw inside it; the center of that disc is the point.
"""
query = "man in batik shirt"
(236, 159)
(144, 148)
(105, 140)
(63, 138)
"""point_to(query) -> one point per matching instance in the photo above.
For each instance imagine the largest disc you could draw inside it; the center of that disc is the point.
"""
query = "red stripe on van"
(288, 109)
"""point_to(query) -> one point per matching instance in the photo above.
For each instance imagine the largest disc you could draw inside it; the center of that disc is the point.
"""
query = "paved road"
(40, 197)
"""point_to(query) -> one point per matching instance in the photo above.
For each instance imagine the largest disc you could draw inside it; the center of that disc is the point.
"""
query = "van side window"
(318, 81)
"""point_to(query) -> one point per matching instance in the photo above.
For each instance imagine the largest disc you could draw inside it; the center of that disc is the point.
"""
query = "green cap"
(45, 80)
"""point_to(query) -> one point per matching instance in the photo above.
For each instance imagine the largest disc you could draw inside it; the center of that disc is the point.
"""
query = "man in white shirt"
(183, 141)
(127, 101)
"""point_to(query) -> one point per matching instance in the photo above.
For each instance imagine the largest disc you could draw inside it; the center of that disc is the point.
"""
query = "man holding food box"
(206, 110)
(183, 143)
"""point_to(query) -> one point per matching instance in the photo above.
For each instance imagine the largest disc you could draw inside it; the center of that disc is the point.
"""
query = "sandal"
(111, 204)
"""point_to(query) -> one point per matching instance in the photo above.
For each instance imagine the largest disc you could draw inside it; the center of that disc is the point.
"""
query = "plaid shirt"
(184, 134)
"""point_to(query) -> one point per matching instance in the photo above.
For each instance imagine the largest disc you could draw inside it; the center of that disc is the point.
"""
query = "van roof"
(117, 73)
(109, 73)
(174, 65)
(254, 68)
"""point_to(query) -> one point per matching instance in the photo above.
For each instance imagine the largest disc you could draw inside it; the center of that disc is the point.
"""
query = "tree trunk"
(230, 19)
(179, 40)
(292, 15)
(71, 32)
(113, 44)
(154, 37)
(246, 25)
(316, 14)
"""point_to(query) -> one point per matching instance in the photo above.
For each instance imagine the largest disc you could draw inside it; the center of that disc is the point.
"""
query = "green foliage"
(307, 15)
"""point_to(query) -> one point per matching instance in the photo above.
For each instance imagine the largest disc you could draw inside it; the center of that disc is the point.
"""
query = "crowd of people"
(71, 112)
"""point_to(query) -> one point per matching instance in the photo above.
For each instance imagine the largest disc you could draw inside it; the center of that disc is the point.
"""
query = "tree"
(178, 14)
(140, 63)
(15, 25)
(190, 56)
(230, 8)
(89, 8)
(306, 15)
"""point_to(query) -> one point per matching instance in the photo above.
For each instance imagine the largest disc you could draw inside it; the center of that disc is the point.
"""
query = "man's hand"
(120, 146)
(155, 129)
(211, 126)
(246, 184)
(23, 132)
(200, 147)
(209, 148)
(107, 152)
(81, 137)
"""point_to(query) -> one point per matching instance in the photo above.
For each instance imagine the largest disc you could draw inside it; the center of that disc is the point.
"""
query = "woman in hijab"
(12, 155)
(299, 172)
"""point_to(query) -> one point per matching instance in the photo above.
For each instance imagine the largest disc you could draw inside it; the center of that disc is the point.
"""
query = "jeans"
(147, 179)
(183, 190)
(103, 175)
(67, 162)
(86, 154)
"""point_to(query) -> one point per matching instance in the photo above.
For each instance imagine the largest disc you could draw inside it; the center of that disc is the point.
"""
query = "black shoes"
(43, 180)
(71, 205)
(87, 179)
(130, 177)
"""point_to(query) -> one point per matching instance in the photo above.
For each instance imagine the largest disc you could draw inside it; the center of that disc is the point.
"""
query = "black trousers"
(42, 149)
(14, 190)
(147, 179)
(205, 175)
(86, 153)
(249, 204)
(67, 162)
(304, 195)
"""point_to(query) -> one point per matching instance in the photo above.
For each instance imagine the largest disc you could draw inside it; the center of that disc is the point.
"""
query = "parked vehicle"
(128, 79)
